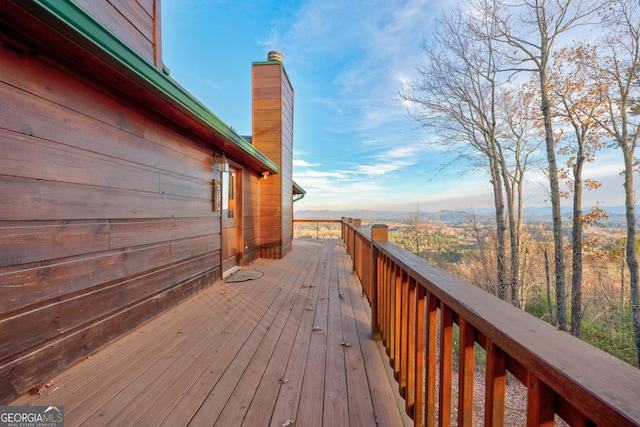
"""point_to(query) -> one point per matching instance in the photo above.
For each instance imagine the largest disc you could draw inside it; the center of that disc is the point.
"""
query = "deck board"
(253, 353)
(336, 409)
(361, 411)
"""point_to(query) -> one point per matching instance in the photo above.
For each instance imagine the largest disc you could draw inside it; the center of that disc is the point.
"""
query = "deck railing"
(414, 309)
(317, 223)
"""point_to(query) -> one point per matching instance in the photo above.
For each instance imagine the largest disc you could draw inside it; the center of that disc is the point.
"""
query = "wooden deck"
(293, 345)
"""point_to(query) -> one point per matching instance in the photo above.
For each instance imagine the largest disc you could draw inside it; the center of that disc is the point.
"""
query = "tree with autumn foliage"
(520, 139)
(576, 100)
(498, 83)
(455, 95)
(530, 32)
(617, 69)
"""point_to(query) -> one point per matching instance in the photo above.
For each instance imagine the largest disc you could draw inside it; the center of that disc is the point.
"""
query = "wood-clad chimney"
(273, 135)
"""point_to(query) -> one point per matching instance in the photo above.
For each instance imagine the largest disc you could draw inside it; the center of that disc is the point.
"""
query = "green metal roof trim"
(77, 18)
(298, 192)
(297, 189)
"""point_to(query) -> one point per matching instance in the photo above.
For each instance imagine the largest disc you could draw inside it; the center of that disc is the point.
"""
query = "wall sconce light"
(265, 174)
(220, 164)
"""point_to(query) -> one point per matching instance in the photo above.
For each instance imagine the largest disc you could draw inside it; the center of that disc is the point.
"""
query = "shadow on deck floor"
(294, 345)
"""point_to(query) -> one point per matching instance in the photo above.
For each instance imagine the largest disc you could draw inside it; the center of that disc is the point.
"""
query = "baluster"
(466, 371)
(446, 363)
(409, 367)
(396, 317)
(432, 347)
(403, 342)
(420, 342)
(540, 403)
(495, 386)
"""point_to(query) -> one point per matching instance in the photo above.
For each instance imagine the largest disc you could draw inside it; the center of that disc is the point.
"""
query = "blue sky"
(354, 147)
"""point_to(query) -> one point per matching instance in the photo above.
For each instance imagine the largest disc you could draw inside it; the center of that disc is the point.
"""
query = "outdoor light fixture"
(265, 174)
(220, 164)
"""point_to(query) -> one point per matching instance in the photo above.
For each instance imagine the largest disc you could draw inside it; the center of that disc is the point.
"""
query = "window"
(229, 194)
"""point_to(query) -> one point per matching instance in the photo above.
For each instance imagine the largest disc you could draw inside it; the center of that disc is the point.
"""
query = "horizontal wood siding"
(286, 167)
(267, 116)
(106, 216)
(132, 21)
(251, 217)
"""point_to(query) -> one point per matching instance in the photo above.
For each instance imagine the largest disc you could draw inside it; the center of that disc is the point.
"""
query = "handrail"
(414, 307)
(317, 222)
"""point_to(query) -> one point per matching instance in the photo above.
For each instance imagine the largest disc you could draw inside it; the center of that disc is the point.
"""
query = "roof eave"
(76, 24)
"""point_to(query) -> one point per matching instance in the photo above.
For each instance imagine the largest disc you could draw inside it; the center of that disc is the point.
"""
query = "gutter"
(298, 192)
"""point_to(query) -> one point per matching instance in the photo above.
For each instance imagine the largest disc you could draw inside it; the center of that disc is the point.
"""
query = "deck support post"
(379, 233)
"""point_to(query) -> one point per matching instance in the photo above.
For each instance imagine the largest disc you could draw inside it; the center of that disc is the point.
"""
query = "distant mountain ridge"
(391, 216)
(616, 213)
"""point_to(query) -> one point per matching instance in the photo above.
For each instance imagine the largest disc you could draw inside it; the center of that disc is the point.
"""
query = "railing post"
(379, 233)
(356, 223)
(349, 234)
(352, 241)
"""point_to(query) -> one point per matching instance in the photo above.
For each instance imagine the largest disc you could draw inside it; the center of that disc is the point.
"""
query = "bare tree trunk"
(483, 256)
(576, 242)
(514, 237)
(548, 277)
(416, 228)
(632, 260)
(554, 190)
(519, 219)
(500, 229)
(577, 101)
(622, 266)
(514, 232)
(517, 134)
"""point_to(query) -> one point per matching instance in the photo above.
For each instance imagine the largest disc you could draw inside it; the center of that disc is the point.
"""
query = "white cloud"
(405, 152)
(382, 168)
(369, 44)
(303, 163)
(321, 174)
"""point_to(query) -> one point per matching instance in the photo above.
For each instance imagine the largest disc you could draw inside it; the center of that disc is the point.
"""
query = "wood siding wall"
(251, 217)
(286, 167)
(105, 218)
(136, 22)
(273, 136)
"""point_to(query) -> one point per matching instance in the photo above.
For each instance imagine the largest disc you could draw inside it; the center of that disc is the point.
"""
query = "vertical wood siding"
(106, 217)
